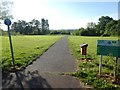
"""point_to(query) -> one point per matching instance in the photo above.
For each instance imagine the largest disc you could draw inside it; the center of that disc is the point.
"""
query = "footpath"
(47, 71)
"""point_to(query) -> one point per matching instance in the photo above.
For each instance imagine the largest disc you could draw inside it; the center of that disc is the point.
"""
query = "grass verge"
(88, 69)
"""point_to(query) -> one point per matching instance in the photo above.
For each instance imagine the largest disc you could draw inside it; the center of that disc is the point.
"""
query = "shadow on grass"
(23, 80)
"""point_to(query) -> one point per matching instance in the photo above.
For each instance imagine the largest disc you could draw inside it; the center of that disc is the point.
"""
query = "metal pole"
(12, 53)
(100, 65)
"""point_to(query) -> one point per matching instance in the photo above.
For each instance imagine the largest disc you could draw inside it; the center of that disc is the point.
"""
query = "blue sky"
(90, 10)
(64, 15)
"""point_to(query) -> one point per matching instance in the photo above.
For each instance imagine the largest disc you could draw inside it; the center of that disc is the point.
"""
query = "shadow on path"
(23, 80)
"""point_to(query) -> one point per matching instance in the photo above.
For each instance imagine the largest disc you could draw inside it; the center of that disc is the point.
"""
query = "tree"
(30, 28)
(102, 23)
(19, 27)
(38, 27)
(35, 26)
(44, 26)
(5, 9)
(111, 27)
(118, 27)
(91, 25)
(91, 29)
(14, 27)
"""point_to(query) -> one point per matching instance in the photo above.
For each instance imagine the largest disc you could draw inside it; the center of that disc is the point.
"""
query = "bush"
(80, 74)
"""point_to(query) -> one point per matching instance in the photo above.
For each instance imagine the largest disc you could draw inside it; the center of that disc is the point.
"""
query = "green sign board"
(108, 47)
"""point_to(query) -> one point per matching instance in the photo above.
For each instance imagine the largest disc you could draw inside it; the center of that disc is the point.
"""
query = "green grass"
(88, 71)
(26, 49)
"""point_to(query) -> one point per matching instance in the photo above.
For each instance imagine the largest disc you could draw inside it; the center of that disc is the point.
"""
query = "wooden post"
(100, 65)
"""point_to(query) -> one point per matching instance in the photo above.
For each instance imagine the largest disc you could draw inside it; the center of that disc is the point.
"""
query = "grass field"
(75, 42)
(88, 70)
(26, 49)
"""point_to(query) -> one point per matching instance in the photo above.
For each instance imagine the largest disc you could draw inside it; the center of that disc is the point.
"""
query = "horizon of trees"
(34, 27)
(106, 26)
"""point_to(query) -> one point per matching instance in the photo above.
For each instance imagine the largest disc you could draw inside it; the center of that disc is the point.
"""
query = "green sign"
(108, 47)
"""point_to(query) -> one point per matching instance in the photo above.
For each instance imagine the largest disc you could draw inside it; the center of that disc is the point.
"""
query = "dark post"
(12, 53)
(8, 23)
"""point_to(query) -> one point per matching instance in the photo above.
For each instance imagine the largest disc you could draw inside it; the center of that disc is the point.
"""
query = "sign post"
(116, 68)
(8, 23)
(106, 48)
(100, 65)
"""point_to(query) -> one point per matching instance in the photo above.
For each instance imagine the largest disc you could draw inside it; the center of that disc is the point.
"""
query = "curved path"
(46, 71)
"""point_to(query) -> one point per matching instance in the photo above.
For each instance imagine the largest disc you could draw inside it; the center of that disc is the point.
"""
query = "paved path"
(56, 59)
(46, 71)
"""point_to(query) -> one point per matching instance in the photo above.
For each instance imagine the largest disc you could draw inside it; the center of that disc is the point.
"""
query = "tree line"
(55, 32)
(106, 26)
(34, 27)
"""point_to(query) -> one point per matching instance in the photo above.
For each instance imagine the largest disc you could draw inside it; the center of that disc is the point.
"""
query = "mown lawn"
(26, 49)
(88, 69)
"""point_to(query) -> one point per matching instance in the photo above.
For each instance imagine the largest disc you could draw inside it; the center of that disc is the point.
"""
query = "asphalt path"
(56, 59)
(47, 71)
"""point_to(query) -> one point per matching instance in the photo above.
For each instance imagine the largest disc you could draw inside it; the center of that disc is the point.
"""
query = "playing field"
(26, 49)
